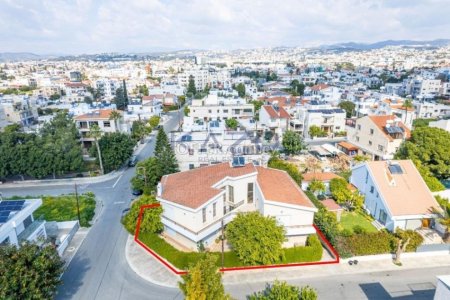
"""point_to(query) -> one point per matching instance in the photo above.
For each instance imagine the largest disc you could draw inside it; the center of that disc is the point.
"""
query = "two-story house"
(378, 136)
(274, 118)
(197, 203)
(395, 194)
(101, 118)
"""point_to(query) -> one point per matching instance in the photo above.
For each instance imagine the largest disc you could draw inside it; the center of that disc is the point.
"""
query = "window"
(367, 176)
(204, 214)
(225, 111)
(191, 166)
(209, 111)
(383, 216)
(214, 209)
(380, 147)
(357, 138)
(372, 189)
(250, 192)
(202, 150)
(359, 127)
(370, 143)
(371, 131)
(231, 194)
(106, 124)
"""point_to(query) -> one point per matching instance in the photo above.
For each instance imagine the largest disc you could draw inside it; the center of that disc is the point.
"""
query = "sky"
(97, 26)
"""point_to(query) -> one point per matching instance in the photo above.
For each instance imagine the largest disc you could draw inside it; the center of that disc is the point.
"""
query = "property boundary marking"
(172, 268)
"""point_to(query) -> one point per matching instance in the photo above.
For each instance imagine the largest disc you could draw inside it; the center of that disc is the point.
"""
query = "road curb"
(136, 269)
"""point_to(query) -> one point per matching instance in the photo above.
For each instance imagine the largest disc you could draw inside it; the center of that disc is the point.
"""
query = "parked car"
(136, 192)
(133, 161)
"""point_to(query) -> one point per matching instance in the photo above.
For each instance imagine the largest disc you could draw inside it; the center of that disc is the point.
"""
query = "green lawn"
(351, 219)
(64, 208)
(182, 260)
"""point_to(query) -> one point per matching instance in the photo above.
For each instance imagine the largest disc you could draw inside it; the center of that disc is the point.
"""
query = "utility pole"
(78, 204)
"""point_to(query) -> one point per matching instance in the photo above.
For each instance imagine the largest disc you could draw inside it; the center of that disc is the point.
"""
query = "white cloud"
(86, 26)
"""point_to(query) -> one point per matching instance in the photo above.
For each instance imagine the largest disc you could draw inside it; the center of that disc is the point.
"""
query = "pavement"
(146, 266)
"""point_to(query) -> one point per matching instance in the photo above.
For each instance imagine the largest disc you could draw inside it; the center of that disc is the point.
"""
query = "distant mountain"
(24, 56)
(382, 44)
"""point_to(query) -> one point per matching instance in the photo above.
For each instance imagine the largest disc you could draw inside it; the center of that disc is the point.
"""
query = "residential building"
(274, 118)
(327, 118)
(17, 223)
(442, 124)
(395, 194)
(214, 107)
(428, 110)
(197, 203)
(324, 177)
(101, 118)
(19, 110)
(3, 120)
(377, 136)
(200, 76)
(215, 145)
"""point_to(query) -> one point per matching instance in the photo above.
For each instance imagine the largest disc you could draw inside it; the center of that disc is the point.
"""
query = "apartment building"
(196, 202)
(426, 110)
(214, 107)
(201, 78)
(425, 87)
(107, 87)
(326, 117)
(378, 136)
(19, 110)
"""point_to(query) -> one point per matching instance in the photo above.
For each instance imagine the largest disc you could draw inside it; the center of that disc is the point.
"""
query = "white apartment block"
(213, 107)
(425, 87)
(107, 87)
(328, 118)
(426, 109)
(201, 78)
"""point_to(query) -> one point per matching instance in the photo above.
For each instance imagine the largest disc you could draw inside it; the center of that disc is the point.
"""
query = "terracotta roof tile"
(325, 176)
(347, 145)
(380, 122)
(281, 113)
(331, 205)
(101, 114)
(194, 187)
(278, 186)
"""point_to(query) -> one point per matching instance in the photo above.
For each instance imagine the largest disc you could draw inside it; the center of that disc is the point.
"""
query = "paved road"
(406, 284)
(99, 269)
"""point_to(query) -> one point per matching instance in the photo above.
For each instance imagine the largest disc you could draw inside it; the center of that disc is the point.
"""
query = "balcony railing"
(30, 230)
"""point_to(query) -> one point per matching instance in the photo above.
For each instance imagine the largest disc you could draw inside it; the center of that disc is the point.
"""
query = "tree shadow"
(375, 291)
(73, 277)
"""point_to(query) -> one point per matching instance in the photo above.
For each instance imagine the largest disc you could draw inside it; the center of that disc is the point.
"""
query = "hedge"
(182, 260)
(365, 243)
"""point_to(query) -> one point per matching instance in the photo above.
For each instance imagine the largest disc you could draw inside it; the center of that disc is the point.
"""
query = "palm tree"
(406, 105)
(96, 133)
(115, 115)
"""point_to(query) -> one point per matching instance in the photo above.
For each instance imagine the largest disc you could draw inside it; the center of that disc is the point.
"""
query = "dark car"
(133, 160)
(136, 192)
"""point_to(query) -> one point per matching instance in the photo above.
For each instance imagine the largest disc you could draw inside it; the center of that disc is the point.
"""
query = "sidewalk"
(74, 245)
(146, 266)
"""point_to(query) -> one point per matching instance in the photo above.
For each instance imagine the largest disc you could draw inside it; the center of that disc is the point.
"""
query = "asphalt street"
(99, 269)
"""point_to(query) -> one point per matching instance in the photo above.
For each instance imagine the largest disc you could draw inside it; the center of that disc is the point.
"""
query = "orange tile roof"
(101, 114)
(404, 194)
(348, 145)
(380, 122)
(319, 87)
(194, 187)
(278, 186)
(323, 176)
(282, 113)
(331, 205)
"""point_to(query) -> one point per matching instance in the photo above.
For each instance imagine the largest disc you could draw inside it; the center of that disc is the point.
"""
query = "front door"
(425, 223)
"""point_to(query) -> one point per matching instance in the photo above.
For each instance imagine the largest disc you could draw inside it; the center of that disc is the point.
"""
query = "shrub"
(325, 220)
(415, 239)
(291, 169)
(358, 229)
(366, 243)
(311, 252)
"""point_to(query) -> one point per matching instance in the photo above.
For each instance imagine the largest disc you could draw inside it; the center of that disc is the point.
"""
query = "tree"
(121, 98)
(154, 121)
(115, 115)
(280, 290)
(428, 149)
(349, 107)
(29, 272)
(257, 104)
(407, 104)
(96, 133)
(291, 169)
(203, 281)
(148, 174)
(240, 88)
(292, 142)
(256, 239)
(165, 154)
(116, 149)
(139, 130)
(315, 130)
(232, 123)
(125, 92)
(191, 89)
(186, 111)
(361, 158)
(317, 187)
(151, 219)
(343, 195)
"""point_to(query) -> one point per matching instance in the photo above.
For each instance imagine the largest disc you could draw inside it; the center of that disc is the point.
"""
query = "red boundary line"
(183, 272)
